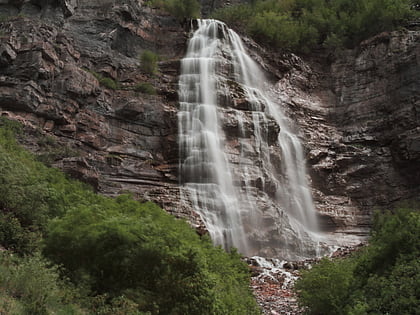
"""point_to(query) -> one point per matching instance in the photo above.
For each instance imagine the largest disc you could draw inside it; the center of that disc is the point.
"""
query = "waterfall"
(242, 167)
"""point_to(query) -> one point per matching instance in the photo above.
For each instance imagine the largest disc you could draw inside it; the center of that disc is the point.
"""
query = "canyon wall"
(357, 114)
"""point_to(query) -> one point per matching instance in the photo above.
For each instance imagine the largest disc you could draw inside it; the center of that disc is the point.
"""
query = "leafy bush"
(122, 247)
(107, 82)
(301, 25)
(15, 237)
(122, 256)
(148, 60)
(180, 9)
(383, 278)
(145, 87)
(326, 288)
(30, 194)
(9, 305)
(183, 9)
(30, 286)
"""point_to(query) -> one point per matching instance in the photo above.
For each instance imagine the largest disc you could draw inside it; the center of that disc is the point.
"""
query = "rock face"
(54, 57)
(358, 115)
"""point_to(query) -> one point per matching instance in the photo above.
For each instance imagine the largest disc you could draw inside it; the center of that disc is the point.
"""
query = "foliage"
(105, 81)
(301, 25)
(109, 83)
(122, 256)
(148, 61)
(325, 288)
(30, 194)
(145, 87)
(381, 279)
(30, 286)
(183, 9)
(136, 250)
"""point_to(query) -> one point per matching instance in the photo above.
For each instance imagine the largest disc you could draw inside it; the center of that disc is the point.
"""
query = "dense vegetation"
(301, 25)
(384, 278)
(67, 250)
(180, 9)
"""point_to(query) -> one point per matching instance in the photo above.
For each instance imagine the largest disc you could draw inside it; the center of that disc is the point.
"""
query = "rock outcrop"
(358, 115)
(56, 58)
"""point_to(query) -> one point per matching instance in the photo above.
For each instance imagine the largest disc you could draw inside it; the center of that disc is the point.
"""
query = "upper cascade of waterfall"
(242, 167)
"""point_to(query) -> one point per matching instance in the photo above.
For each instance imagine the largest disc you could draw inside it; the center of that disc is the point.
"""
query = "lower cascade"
(242, 167)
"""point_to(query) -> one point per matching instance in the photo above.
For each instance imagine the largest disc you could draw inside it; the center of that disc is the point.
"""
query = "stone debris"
(272, 283)
(272, 280)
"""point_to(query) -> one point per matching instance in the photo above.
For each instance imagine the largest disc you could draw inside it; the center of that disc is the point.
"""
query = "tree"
(183, 9)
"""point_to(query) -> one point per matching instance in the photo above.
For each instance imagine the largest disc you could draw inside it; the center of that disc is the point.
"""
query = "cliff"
(119, 140)
(358, 115)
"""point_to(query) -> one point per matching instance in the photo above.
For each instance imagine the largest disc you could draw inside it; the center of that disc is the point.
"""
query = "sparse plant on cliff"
(145, 87)
(105, 81)
(148, 62)
(109, 83)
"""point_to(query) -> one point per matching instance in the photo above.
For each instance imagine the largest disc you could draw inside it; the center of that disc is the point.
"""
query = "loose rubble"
(272, 281)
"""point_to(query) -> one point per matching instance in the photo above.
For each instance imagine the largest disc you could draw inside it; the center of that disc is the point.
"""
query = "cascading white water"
(246, 199)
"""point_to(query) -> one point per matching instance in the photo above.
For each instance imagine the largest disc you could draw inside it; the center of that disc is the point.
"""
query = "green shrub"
(145, 87)
(15, 237)
(383, 278)
(29, 285)
(109, 83)
(104, 305)
(137, 250)
(148, 60)
(122, 256)
(105, 81)
(10, 305)
(183, 9)
(326, 287)
(30, 193)
(301, 25)
(180, 9)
